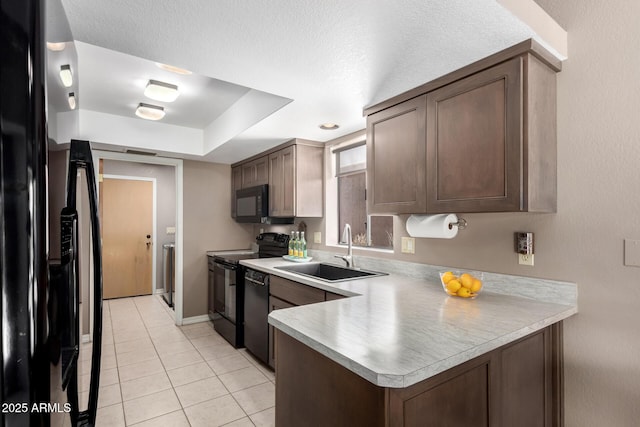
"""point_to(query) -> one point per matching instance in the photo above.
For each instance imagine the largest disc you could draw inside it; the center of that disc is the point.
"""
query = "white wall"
(138, 133)
(599, 206)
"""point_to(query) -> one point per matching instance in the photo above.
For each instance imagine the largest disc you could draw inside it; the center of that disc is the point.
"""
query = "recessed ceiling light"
(72, 100)
(149, 112)
(161, 91)
(173, 69)
(66, 76)
(329, 126)
(56, 47)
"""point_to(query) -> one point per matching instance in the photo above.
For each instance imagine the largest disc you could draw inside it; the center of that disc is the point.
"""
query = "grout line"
(115, 355)
(146, 306)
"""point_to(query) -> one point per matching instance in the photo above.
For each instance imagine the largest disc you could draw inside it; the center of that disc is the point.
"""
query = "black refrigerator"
(39, 298)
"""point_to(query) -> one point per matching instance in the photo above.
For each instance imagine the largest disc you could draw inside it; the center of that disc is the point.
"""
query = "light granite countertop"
(231, 252)
(396, 331)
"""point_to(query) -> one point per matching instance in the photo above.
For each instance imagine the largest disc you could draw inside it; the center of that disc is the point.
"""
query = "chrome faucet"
(348, 258)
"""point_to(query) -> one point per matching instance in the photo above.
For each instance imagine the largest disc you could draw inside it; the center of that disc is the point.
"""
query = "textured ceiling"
(330, 57)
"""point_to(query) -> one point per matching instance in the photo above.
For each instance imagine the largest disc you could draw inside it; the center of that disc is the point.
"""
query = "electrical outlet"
(317, 237)
(408, 245)
(171, 230)
(524, 259)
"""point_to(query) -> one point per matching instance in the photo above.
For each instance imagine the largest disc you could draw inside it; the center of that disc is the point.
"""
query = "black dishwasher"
(256, 309)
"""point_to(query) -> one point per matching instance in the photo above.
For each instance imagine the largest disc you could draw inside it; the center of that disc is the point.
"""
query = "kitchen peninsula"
(399, 351)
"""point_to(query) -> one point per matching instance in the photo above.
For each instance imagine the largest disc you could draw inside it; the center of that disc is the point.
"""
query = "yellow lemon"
(464, 292)
(476, 285)
(467, 280)
(447, 276)
(453, 286)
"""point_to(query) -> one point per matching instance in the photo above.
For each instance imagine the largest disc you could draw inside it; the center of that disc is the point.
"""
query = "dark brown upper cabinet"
(486, 132)
(295, 174)
(236, 184)
(296, 180)
(491, 141)
(282, 182)
(396, 158)
(255, 172)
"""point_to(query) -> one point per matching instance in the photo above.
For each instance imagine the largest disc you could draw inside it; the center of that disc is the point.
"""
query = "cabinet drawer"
(331, 296)
(295, 293)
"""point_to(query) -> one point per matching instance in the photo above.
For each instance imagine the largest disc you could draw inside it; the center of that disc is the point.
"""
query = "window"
(367, 230)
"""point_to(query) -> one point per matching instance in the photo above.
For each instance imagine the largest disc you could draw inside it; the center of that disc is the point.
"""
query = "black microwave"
(252, 204)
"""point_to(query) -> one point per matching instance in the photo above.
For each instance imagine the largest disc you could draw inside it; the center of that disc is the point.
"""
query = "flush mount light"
(329, 126)
(161, 91)
(56, 47)
(149, 112)
(66, 76)
(173, 69)
(72, 100)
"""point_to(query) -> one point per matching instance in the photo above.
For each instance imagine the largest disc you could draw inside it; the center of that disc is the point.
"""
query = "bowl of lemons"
(462, 284)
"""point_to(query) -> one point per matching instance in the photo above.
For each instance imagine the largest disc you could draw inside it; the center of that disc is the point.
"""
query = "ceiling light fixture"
(161, 91)
(66, 76)
(149, 112)
(72, 100)
(329, 126)
(173, 69)
(56, 47)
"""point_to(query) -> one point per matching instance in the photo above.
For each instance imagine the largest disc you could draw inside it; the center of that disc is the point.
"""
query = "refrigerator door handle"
(80, 157)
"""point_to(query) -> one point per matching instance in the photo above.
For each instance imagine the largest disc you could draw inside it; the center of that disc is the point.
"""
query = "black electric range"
(226, 285)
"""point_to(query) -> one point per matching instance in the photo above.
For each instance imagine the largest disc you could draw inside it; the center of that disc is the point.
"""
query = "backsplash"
(553, 291)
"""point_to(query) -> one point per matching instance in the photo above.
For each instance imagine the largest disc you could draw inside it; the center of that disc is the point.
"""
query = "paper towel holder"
(461, 224)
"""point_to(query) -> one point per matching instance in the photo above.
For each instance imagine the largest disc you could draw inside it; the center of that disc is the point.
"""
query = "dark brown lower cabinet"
(285, 293)
(275, 304)
(519, 384)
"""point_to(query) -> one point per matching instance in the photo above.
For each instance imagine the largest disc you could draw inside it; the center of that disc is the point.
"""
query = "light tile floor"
(157, 374)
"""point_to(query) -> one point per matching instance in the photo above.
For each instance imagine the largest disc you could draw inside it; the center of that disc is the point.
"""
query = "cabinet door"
(262, 170)
(248, 175)
(463, 400)
(275, 304)
(255, 172)
(276, 178)
(396, 158)
(474, 142)
(282, 183)
(288, 199)
(236, 184)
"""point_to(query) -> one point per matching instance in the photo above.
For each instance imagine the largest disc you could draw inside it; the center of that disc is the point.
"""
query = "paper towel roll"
(433, 226)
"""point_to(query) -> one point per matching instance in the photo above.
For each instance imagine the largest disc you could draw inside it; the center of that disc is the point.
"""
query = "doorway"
(177, 164)
(127, 206)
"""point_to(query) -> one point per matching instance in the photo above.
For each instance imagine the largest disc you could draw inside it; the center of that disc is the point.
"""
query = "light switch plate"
(408, 245)
(632, 253)
(171, 230)
(317, 237)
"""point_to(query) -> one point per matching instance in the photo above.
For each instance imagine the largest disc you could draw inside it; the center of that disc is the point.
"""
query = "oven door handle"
(254, 281)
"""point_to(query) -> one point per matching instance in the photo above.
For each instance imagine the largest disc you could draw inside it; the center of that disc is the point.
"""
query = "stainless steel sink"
(330, 272)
